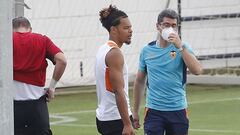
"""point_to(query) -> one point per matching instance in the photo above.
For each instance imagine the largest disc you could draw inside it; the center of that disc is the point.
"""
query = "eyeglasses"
(167, 25)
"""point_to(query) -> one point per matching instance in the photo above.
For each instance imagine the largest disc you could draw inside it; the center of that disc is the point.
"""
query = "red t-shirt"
(30, 51)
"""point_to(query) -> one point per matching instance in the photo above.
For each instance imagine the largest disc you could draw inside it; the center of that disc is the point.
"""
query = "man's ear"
(113, 29)
(158, 26)
(30, 29)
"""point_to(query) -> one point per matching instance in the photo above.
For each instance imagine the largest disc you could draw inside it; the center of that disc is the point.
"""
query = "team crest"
(173, 54)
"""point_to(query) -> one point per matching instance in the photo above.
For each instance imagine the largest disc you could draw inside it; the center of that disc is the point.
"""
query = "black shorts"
(31, 117)
(113, 127)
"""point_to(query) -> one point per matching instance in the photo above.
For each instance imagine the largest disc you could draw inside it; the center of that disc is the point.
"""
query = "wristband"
(53, 84)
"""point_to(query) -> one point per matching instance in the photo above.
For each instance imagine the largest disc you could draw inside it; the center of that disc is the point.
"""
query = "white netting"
(212, 27)
(75, 27)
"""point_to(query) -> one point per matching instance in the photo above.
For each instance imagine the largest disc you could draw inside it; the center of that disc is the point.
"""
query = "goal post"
(6, 94)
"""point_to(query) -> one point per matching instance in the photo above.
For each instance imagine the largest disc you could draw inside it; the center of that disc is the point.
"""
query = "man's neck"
(22, 30)
(116, 41)
(162, 43)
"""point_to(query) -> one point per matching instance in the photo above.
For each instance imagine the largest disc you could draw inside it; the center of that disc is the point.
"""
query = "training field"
(213, 110)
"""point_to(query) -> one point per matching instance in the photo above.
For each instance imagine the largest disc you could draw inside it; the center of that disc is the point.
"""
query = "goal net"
(211, 27)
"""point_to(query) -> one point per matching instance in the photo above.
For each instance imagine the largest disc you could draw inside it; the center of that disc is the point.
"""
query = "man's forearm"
(191, 62)
(60, 66)
(122, 107)
(137, 96)
(59, 70)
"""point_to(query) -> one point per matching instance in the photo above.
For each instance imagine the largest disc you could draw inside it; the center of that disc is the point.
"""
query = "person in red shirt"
(30, 51)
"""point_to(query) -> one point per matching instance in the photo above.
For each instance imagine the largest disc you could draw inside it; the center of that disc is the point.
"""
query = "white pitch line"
(77, 125)
(63, 119)
(75, 112)
(190, 103)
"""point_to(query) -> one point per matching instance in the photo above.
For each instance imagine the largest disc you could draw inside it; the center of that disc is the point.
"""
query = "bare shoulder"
(114, 57)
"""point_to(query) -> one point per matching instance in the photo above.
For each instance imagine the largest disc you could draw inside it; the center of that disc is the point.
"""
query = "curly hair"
(111, 17)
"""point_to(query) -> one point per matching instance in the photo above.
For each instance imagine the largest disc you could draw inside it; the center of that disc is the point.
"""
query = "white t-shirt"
(24, 91)
(107, 108)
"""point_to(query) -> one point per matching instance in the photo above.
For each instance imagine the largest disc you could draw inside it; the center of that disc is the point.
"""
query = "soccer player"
(163, 62)
(113, 114)
(30, 51)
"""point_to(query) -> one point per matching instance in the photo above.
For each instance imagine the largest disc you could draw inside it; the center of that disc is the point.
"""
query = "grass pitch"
(213, 110)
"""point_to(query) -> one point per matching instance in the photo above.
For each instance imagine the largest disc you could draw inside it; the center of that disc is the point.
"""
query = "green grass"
(213, 110)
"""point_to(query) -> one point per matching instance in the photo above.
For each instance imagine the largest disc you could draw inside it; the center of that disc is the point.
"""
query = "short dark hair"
(20, 22)
(167, 13)
(111, 17)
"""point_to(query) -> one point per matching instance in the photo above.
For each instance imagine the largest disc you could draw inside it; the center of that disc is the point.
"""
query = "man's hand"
(136, 124)
(50, 94)
(175, 39)
(128, 130)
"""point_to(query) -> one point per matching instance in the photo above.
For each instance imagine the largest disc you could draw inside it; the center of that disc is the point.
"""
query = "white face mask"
(166, 32)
